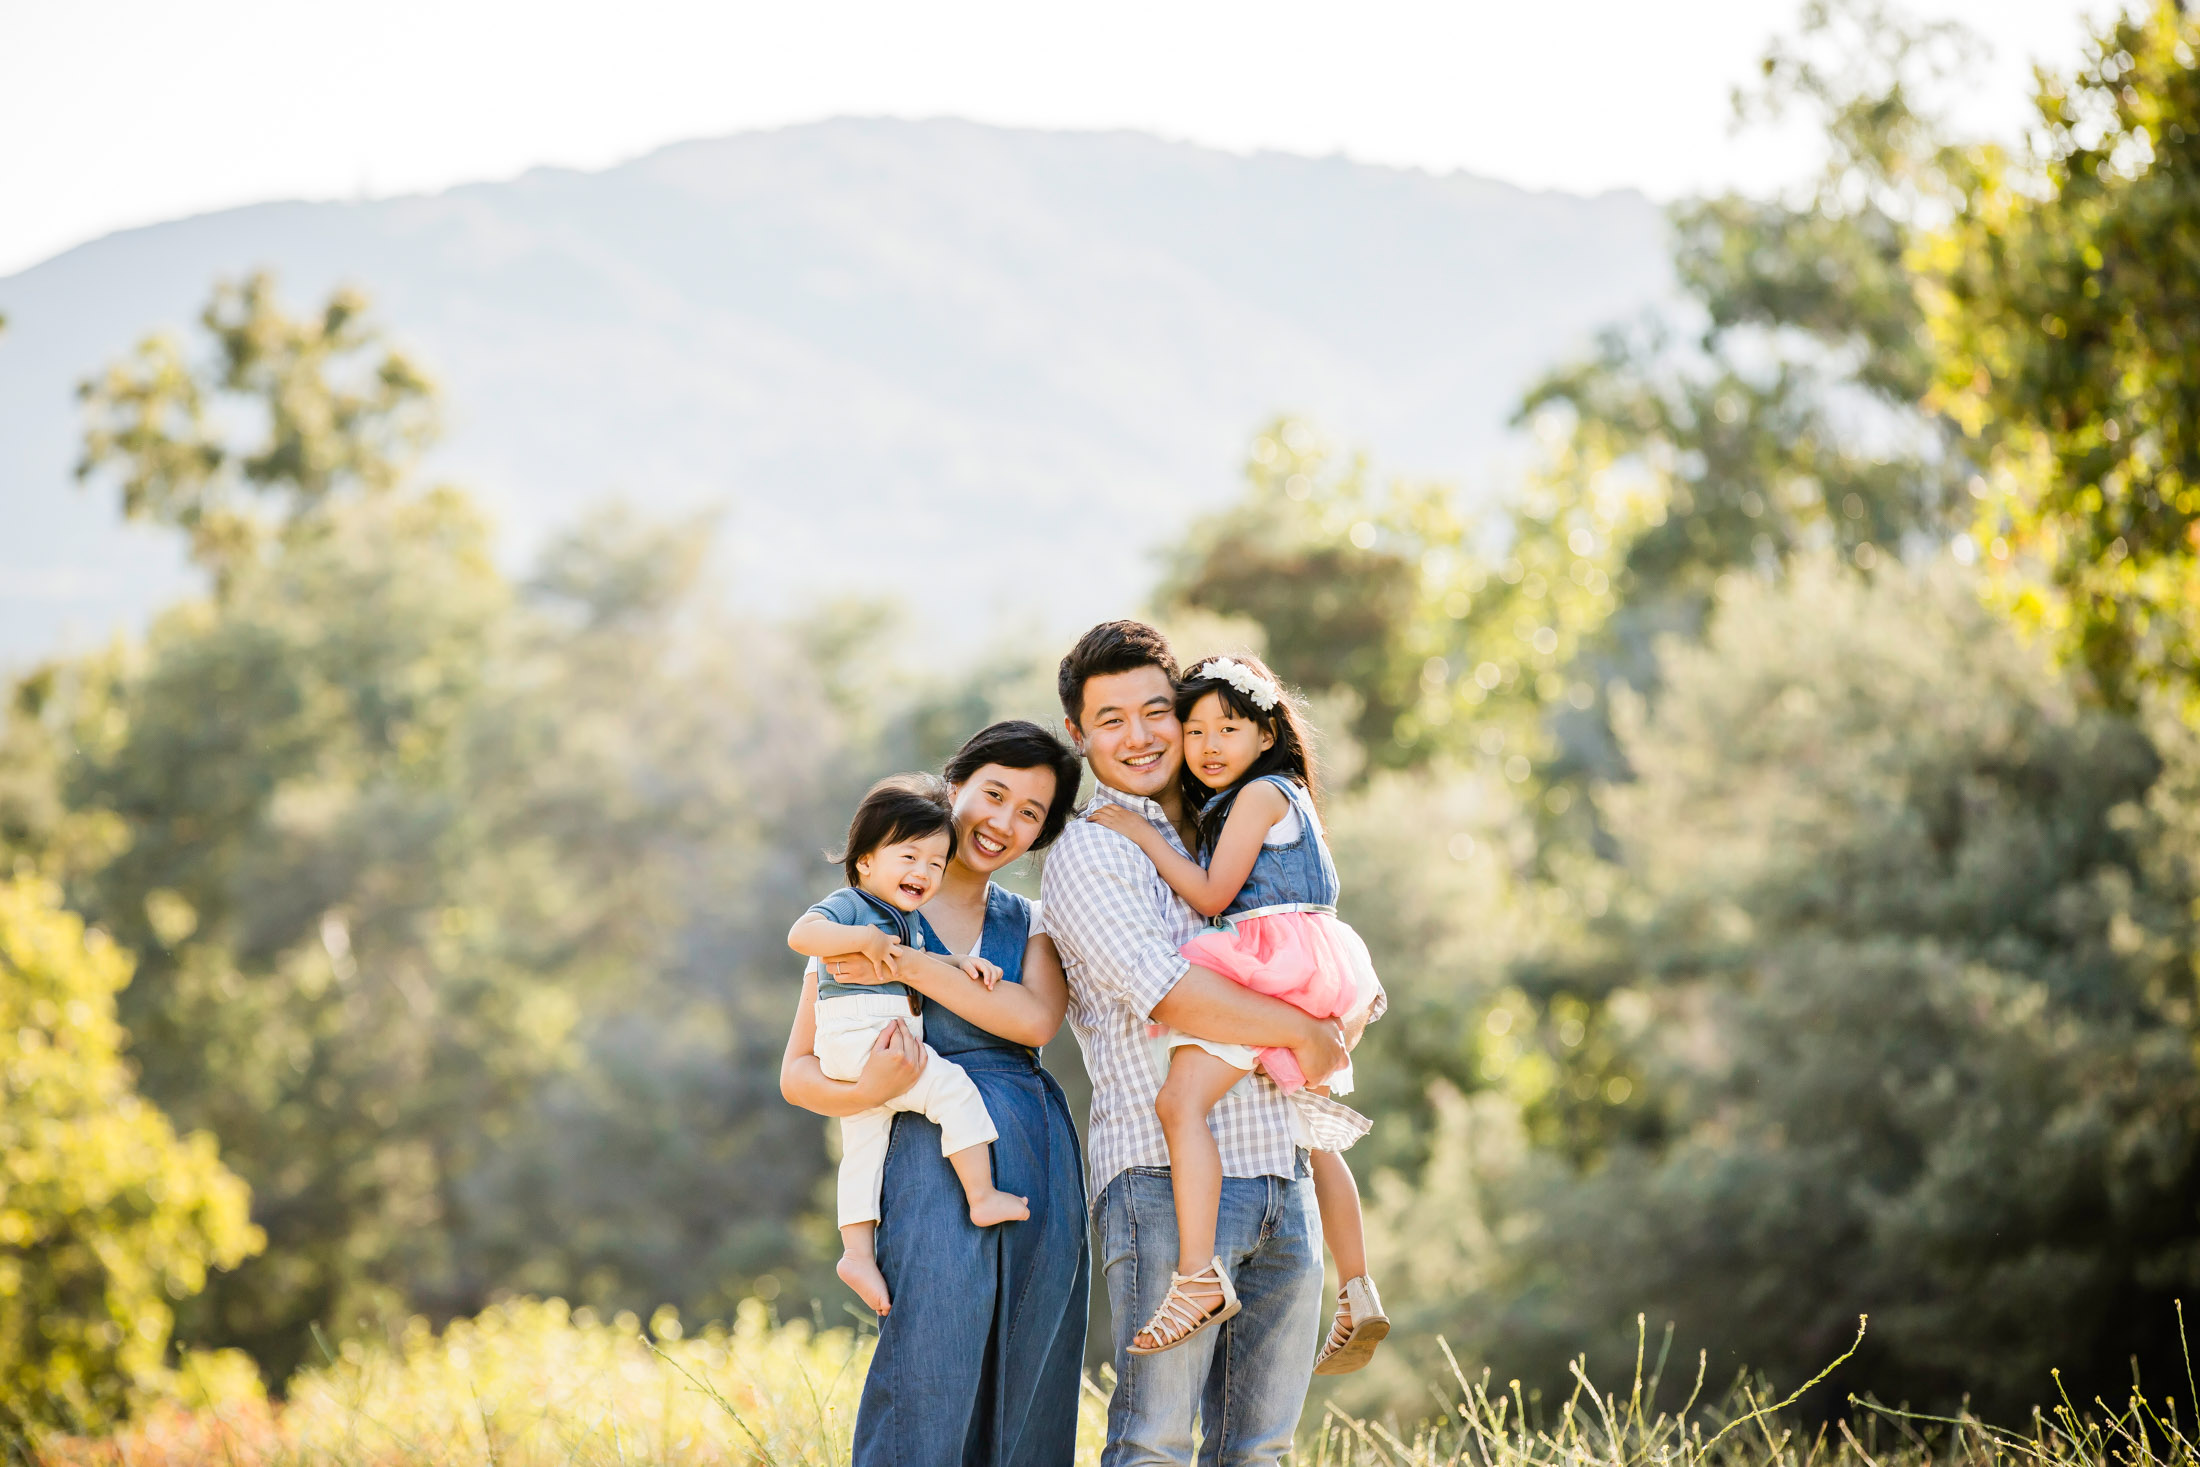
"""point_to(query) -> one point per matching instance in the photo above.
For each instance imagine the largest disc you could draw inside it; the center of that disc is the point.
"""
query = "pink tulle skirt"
(1308, 959)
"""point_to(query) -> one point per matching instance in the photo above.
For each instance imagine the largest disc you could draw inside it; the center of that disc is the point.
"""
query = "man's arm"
(1205, 1003)
(1100, 904)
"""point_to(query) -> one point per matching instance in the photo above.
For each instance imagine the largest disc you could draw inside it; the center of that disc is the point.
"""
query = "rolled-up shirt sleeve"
(1103, 911)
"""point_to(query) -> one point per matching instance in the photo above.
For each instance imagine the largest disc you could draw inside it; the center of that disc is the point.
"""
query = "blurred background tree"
(1890, 996)
(450, 893)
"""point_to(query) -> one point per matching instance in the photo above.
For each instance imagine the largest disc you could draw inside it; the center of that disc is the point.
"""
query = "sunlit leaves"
(2067, 313)
(107, 1217)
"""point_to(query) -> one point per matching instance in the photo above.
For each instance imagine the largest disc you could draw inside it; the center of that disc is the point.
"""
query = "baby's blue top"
(851, 906)
(1297, 872)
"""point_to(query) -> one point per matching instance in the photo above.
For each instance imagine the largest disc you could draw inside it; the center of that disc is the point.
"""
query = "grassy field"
(531, 1384)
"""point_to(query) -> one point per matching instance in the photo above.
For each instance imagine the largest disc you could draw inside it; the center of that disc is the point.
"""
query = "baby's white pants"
(944, 1094)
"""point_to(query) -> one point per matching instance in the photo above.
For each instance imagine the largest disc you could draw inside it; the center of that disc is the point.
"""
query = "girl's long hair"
(1291, 755)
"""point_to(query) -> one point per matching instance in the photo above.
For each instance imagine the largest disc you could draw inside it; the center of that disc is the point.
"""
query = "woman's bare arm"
(897, 1059)
(1029, 1012)
(1209, 889)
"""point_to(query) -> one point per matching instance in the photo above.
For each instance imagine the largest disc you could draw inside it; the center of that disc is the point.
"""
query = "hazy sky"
(121, 112)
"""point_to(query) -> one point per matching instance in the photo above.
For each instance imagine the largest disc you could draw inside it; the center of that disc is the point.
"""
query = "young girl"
(899, 844)
(1270, 881)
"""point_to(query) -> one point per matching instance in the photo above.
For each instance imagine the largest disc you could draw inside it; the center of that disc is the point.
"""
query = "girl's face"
(998, 814)
(905, 873)
(1219, 746)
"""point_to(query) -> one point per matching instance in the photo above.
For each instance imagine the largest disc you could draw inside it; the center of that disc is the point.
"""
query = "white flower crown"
(1263, 693)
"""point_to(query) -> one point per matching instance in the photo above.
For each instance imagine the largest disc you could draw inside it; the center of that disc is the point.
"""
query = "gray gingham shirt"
(1118, 927)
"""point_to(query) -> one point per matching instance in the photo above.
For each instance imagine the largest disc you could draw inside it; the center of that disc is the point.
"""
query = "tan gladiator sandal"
(1181, 1316)
(1360, 1326)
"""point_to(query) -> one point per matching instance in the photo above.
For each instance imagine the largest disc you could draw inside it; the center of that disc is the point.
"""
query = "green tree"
(107, 1216)
(1424, 614)
(458, 900)
(361, 924)
(1889, 1011)
(338, 412)
(2067, 314)
(1781, 411)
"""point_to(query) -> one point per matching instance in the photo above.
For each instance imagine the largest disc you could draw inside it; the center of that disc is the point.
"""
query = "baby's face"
(905, 873)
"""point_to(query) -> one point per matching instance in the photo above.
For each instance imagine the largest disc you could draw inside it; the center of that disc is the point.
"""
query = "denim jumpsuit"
(978, 1362)
(1297, 874)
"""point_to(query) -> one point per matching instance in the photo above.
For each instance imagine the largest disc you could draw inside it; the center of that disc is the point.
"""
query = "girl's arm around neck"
(1029, 1012)
(1212, 888)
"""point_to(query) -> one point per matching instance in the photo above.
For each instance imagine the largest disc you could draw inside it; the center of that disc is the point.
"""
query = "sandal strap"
(1180, 1314)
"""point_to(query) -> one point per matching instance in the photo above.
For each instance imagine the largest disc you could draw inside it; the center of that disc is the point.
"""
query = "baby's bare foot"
(998, 1207)
(862, 1275)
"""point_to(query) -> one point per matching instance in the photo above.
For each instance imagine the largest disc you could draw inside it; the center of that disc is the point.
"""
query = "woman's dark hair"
(1018, 743)
(899, 807)
(1292, 754)
(1112, 646)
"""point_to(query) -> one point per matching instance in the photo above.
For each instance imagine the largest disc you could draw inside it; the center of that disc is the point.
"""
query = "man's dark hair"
(1017, 743)
(1112, 646)
(899, 807)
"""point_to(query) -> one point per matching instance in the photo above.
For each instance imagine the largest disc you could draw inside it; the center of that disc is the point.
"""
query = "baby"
(899, 844)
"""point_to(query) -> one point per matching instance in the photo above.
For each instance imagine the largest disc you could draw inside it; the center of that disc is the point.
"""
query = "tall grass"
(531, 1384)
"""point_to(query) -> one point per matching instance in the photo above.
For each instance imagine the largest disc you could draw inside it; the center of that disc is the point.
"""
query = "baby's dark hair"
(1292, 754)
(899, 807)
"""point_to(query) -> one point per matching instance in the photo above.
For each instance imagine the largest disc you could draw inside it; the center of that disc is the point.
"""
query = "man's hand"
(857, 969)
(895, 1063)
(1322, 1052)
(978, 970)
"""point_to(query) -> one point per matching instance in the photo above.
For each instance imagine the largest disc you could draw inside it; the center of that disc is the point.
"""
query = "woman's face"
(998, 814)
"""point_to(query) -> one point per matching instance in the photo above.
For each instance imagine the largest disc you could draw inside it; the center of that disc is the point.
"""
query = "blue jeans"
(1247, 1378)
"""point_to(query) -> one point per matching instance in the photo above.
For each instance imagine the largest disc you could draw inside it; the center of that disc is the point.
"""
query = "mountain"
(983, 370)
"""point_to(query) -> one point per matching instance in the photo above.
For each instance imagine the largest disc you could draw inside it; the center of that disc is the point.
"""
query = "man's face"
(1128, 729)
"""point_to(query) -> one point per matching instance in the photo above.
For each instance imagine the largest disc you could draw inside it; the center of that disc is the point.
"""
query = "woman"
(979, 1356)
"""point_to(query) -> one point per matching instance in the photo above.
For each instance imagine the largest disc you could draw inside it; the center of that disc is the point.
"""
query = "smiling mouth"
(987, 844)
(916, 891)
(1141, 761)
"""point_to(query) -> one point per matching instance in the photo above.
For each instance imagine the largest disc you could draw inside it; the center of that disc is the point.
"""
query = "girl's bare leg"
(1338, 1196)
(1196, 1081)
(858, 1267)
(988, 1204)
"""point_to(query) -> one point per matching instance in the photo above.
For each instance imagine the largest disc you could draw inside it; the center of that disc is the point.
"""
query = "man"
(1118, 927)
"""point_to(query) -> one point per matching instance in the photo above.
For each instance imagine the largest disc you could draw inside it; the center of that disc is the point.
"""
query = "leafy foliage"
(335, 410)
(1897, 962)
(1423, 615)
(2067, 312)
(107, 1216)
(451, 893)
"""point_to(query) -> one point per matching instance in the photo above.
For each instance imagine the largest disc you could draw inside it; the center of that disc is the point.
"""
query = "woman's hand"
(860, 970)
(895, 1063)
